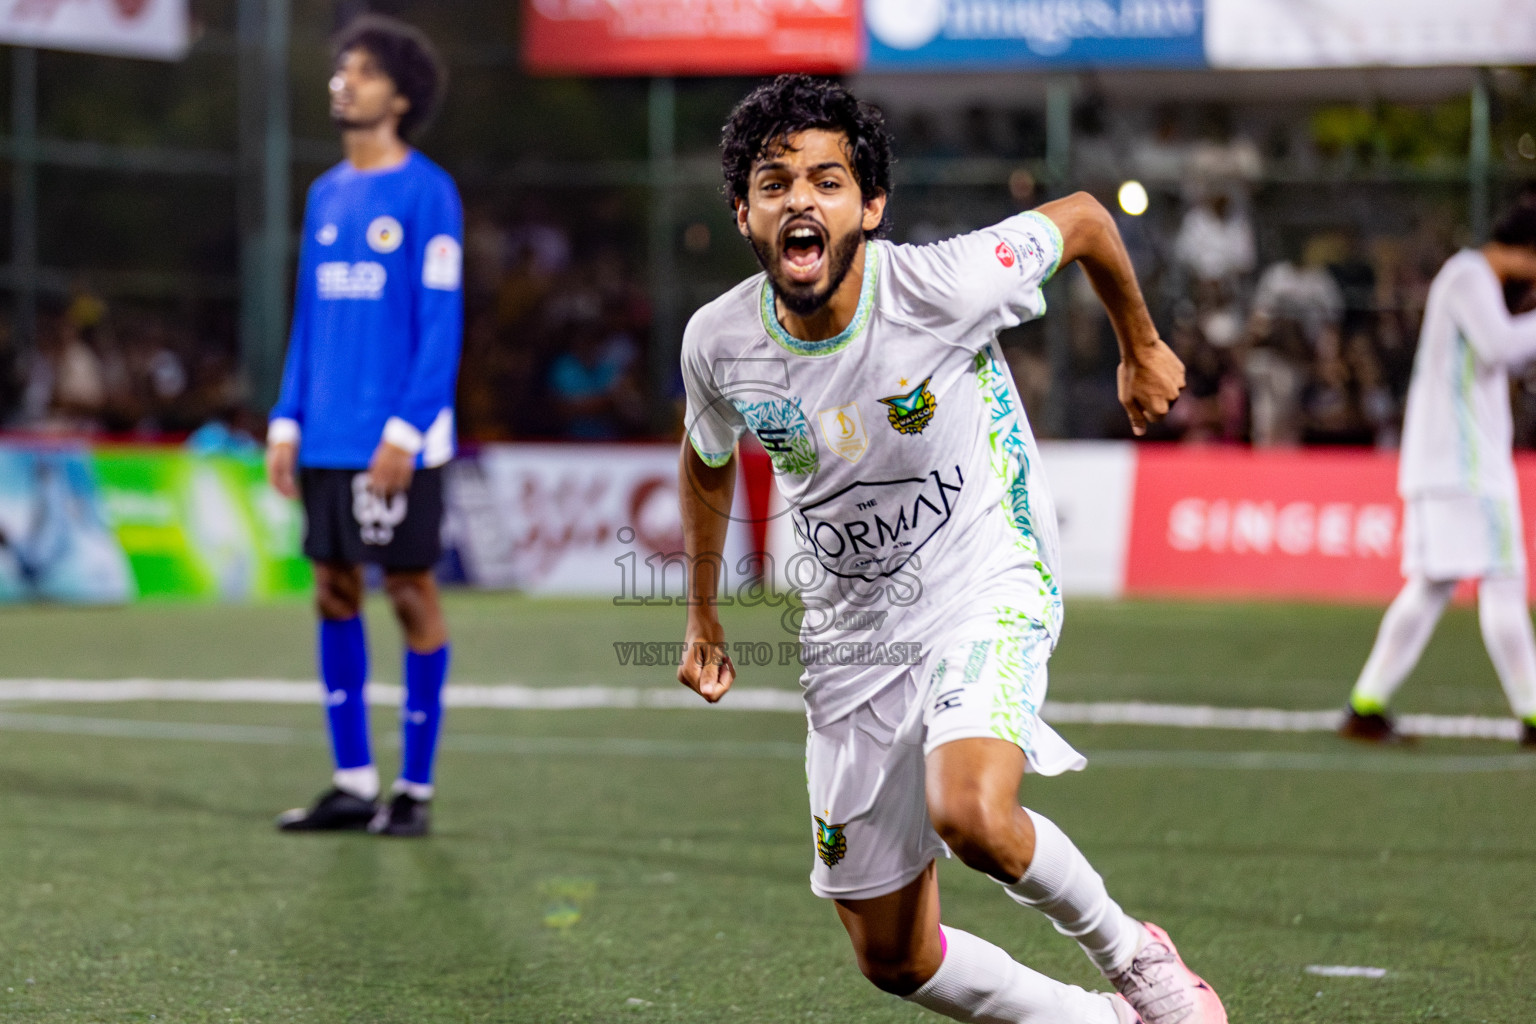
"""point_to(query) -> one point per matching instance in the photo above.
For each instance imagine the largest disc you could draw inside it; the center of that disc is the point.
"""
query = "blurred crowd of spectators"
(1315, 347)
(1307, 338)
(555, 336)
(126, 372)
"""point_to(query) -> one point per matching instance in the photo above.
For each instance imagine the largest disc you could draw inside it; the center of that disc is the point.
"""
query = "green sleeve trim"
(714, 460)
(1055, 233)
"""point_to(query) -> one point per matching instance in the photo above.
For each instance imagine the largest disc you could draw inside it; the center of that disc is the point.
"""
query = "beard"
(355, 124)
(805, 299)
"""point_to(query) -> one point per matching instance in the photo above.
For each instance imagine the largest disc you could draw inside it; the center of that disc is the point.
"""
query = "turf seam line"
(572, 698)
(1360, 761)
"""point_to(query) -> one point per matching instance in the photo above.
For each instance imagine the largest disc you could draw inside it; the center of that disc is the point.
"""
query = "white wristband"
(283, 431)
(403, 436)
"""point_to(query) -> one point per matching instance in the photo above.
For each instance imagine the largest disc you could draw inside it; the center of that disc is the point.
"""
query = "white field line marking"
(1371, 762)
(567, 698)
(1334, 971)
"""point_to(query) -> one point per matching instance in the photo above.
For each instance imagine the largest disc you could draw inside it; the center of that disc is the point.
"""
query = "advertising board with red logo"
(129, 28)
(1315, 524)
(709, 37)
(599, 520)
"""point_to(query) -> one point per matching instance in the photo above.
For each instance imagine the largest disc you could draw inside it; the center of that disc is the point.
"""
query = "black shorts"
(345, 522)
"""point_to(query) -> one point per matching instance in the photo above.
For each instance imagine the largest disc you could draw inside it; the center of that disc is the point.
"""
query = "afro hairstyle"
(407, 57)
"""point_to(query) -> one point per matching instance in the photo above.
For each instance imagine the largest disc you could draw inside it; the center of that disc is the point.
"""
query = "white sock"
(1405, 629)
(1062, 885)
(1507, 633)
(415, 790)
(363, 782)
(980, 983)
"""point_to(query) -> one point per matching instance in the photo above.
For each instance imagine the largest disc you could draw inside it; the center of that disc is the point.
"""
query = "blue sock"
(344, 670)
(422, 714)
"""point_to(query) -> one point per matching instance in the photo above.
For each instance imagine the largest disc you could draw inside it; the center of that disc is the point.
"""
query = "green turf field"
(650, 865)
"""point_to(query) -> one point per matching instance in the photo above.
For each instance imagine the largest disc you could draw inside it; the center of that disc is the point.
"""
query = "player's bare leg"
(338, 591)
(417, 605)
(343, 647)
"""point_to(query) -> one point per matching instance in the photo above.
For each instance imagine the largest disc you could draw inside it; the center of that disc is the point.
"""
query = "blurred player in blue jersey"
(364, 422)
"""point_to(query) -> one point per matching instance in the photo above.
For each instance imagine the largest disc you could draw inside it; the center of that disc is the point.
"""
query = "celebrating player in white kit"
(1457, 480)
(872, 375)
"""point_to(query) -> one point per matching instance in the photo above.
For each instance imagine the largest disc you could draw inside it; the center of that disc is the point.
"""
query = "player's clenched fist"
(706, 668)
(1150, 379)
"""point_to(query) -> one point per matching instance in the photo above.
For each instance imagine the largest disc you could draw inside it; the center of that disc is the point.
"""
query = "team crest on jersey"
(781, 427)
(911, 412)
(385, 234)
(844, 431)
(831, 844)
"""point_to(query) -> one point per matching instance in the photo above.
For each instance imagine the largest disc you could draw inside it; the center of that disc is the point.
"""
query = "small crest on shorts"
(911, 412)
(831, 844)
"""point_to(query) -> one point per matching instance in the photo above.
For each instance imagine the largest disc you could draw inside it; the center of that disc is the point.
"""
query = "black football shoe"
(1528, 735)
(335, 810)
(1373, 728)
(403, 816)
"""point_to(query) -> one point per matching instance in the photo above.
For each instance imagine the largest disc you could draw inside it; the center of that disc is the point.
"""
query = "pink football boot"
(1163, 990)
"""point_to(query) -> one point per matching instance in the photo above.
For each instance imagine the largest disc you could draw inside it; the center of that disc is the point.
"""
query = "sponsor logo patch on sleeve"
(444, 265)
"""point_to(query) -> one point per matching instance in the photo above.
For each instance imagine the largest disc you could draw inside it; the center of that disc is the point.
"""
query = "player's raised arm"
(704, 494)
(1475, 296)
(1150, 375)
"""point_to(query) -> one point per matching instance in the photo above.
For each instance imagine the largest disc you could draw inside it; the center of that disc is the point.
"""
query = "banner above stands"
(701, 37)
(1284, 34)
(126, 28)
(922, 35)
(709, 37)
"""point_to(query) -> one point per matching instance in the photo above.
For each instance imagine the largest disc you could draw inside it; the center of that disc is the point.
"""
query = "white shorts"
(1462, 536)
(869, 804)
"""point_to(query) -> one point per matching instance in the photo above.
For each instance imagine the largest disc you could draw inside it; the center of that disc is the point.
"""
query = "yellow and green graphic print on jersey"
(911, 412)
(831, 844)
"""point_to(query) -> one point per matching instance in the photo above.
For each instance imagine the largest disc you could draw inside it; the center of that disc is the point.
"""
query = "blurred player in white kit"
(1456, 476)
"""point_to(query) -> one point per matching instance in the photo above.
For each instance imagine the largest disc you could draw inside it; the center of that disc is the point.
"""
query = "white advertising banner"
(1093, 484)
(126, 28)
(596, 520)
(1351, 33)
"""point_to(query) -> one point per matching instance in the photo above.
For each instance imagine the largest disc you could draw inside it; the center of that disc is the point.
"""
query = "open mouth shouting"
(803, 249)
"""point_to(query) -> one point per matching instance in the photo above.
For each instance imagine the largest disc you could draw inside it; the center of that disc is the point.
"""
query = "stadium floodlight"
(1133, 198)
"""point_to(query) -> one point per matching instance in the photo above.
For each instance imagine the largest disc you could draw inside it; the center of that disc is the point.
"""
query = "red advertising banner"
(1305, 524)
(691, 37)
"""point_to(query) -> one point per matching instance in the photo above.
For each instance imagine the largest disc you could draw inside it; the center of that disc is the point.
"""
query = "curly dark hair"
(760, 124)
(407, 57)
(1517, 226)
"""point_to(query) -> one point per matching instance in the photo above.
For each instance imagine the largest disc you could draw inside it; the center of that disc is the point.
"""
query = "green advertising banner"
(201, 526)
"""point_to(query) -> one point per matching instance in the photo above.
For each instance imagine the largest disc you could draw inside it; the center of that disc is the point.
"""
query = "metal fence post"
(24, 194)
(264, 196)
(1477, 159)
(666, 336)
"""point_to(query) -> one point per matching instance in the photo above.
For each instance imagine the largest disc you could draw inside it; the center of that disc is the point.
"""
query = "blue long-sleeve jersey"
(378, 318)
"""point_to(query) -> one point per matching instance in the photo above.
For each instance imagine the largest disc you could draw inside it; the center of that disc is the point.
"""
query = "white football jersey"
(1457, 430)
(900, 447)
